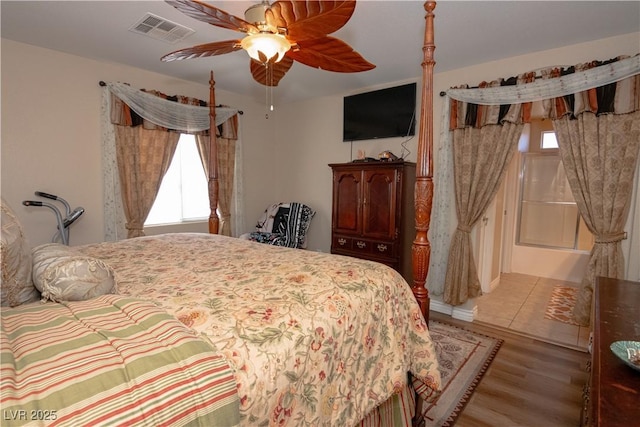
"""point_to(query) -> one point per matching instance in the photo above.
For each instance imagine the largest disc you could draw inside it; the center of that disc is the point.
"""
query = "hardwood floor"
(530, 383)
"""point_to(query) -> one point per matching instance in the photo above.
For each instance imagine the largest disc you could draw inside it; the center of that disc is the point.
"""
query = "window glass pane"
(546, 224)
(195, 198)
(544, 179)
(165, 209)
(548, 213)
(183, 194)
(549, 140)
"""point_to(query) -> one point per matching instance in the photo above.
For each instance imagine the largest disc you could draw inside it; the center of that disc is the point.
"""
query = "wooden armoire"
(372, 212)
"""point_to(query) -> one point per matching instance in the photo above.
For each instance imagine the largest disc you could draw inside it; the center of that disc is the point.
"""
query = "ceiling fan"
(277, 35)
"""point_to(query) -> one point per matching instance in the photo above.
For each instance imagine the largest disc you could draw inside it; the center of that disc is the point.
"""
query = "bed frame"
(421, 249)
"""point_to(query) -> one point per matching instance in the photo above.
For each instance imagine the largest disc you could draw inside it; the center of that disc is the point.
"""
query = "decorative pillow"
(16, 286)
(63, 274)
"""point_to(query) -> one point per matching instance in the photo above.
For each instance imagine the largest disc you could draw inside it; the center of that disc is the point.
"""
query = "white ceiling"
(387, 33)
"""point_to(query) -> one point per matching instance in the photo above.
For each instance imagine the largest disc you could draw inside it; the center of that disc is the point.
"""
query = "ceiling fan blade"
(203, 50)
(212, 15)
(331, 54)
(309, 19)
(272, 73)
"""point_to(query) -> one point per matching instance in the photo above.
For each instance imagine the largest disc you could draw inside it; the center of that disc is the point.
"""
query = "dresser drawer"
(365, 247)
(377, 248)
(342, 243)
(362, 246)
(384, 249)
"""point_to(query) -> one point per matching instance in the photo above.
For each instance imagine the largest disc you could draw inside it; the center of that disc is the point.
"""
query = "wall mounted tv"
(383, 113)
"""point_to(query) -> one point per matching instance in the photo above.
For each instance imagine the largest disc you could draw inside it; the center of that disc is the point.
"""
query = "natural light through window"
(549, 140)
(548, 214)
(183, 194)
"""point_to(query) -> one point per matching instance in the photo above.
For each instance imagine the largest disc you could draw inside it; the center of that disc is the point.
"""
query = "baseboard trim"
(464, 314)
(440, 307)
(494, 284)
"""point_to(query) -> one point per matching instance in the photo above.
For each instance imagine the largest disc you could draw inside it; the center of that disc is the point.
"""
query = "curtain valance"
(131, 107)
(545, 88)
(600, 87)
(465, 114)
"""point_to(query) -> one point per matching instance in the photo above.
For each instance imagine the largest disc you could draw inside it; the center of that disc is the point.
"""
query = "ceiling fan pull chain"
(268, 88)
(271, 94)
(266, 92)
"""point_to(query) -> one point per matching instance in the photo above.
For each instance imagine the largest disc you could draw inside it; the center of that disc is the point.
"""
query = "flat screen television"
(383, 113)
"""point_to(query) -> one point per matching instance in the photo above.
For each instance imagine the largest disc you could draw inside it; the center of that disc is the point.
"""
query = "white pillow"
(63, 274)
(16, 286)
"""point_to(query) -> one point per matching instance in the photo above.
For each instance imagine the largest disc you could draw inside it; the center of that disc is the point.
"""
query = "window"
(548, 140)
(548, 214)
(183, 194)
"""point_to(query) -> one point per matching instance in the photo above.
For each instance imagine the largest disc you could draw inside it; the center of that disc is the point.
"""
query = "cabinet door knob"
(342, 241)
(361, 244)
(382, 247)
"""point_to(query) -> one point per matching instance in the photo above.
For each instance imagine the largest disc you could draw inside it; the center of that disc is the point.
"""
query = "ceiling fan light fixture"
(268, 44)
(257, 14)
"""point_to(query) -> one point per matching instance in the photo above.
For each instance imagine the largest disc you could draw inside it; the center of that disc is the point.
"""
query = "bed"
(110, 360)
(301, 337)
(295, 337)
(314, 339)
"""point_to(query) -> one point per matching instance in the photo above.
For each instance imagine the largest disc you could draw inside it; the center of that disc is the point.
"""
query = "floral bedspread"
(315, 339)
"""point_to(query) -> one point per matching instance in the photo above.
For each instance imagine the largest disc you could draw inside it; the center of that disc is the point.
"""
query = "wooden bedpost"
(421, 249)
(213, 160)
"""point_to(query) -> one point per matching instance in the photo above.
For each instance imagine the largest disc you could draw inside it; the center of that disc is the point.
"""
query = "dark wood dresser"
(613, 396)
(372, 212)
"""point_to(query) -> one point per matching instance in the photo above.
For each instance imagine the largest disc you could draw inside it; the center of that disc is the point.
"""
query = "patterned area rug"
(561, 303)
(464, 357)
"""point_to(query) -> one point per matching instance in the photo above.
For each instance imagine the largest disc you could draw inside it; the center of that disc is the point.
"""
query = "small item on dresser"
(387, 156)
(628, 352)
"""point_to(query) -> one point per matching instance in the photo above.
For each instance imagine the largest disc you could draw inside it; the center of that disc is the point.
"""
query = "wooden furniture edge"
(214, 221)
(423, 196)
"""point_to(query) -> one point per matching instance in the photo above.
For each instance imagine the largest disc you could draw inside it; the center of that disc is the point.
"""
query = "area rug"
(464, 357)
(561, 303)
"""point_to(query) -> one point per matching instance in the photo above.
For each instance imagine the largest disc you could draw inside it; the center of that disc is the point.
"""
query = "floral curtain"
(143, 155)
(598, 133)
(622, 72)
(484, 140)
(226, 136)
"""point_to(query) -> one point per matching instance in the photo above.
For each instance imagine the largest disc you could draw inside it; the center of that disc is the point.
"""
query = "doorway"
(496, 245)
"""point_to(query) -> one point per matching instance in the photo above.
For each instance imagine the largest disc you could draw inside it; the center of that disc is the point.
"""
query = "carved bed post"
(213, 160)
(421, 249)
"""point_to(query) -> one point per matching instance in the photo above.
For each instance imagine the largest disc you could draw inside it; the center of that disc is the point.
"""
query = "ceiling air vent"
(161, 29)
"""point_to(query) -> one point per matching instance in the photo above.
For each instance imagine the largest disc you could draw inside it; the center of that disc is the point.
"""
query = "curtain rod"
(102, 83)
(443, 93)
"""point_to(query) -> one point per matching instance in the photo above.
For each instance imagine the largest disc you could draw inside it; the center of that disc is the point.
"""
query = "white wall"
(311, 135)
(51, 138)
(308, 140)
(51, 132)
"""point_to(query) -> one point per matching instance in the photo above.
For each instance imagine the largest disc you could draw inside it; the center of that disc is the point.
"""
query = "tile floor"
(518, 304)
